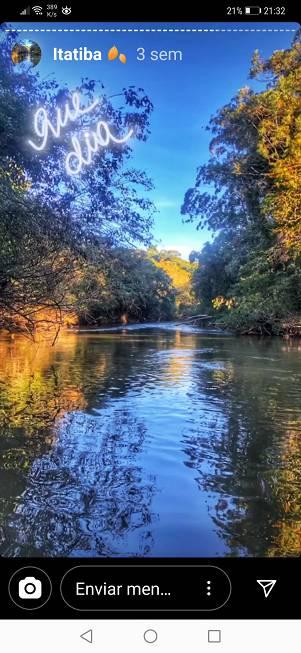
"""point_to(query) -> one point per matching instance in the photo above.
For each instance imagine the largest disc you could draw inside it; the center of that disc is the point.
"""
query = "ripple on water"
(163, 442)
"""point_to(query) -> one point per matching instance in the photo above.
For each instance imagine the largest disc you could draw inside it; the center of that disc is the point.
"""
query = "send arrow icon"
(88, 636)
(267, 586)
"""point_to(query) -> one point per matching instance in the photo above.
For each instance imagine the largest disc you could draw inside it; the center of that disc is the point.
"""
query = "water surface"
(150, 441)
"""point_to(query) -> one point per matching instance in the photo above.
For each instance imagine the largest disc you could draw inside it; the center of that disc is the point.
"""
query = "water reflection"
(87, 496)
(150, 442)
(254, 454)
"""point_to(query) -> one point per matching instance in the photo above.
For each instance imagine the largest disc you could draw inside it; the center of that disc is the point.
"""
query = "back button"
(88, 636)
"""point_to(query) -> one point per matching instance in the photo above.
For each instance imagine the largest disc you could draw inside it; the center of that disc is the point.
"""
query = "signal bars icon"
(36, 9)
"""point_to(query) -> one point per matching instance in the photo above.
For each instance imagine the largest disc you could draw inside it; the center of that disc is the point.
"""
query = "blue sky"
(185, 95)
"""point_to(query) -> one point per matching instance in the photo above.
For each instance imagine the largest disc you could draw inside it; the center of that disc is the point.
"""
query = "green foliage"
(180, 272)
(36, 260)
(218, 265)
(251, 271)
(268, 291)
(126, 287)
(66, 242)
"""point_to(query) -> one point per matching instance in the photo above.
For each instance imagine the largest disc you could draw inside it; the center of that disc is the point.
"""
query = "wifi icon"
(37, 10)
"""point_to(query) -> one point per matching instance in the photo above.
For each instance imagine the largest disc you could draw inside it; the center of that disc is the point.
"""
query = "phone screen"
(150, 323)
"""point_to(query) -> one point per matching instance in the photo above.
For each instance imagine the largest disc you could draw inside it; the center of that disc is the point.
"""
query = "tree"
(180, 273)
(52, 225)
(278, 112)
(255, 204)
(216, 270)
(35, 261)
(126, 287)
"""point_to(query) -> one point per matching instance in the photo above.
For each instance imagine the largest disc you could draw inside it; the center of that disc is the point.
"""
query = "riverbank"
(286, 328)
(289, 328)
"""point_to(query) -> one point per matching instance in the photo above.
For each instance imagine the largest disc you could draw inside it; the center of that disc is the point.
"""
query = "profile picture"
(26, 52)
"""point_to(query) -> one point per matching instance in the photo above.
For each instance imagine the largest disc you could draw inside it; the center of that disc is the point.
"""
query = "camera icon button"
(30, 588)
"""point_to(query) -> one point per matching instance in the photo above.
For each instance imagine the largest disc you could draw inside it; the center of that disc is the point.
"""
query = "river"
(154, 440)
